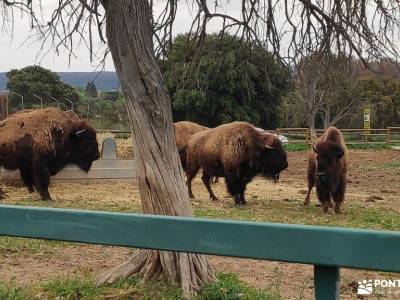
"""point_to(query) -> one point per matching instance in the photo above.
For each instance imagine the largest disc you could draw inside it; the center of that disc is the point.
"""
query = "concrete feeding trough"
(107, 169)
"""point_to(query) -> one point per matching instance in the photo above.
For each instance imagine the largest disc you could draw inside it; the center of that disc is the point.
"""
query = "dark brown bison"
(237, 151)
(327, 168)
(41, 142)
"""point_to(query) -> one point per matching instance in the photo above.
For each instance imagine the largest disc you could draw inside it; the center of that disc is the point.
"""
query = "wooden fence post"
(388, 138)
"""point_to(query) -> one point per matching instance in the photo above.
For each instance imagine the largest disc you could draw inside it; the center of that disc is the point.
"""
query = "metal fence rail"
(326, 248)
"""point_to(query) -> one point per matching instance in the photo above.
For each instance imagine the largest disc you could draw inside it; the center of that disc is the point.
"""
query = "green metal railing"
(326, 248)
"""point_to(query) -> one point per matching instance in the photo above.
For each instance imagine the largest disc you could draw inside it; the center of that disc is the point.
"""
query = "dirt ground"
(373, 185)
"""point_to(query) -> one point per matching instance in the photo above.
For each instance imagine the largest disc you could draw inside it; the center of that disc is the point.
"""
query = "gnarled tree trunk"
(160, 176)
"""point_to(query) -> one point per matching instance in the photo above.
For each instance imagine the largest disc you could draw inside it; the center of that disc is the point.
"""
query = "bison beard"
(327, 168)
(236, 151)
(42, 142)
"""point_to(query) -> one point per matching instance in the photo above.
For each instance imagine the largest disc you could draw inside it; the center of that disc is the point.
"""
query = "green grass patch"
(293, 212)
(79, 204)
(10, 292)
(226, 287)
(391, 166)
(368, 146)
(296, 147)
(23, 245)
(352, 146)
(72, 288)
(229, 287)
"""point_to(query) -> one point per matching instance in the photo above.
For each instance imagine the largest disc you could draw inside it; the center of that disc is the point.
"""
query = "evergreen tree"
(91, 90)
(39, 81)
(232, 81)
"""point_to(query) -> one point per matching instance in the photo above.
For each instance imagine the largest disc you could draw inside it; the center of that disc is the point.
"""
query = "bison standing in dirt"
(42, 142)
(237, 151)
(327, 168)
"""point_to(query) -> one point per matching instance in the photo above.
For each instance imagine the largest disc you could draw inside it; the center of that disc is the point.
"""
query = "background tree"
(40, 81)
(91, 90)
(306, 26)
(111, 96)
(382, 95)
(228, 81)
(309, 90)
(339, 81)
(347, 88)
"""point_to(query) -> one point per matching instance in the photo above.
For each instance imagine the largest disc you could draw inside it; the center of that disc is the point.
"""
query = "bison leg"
(189, 184)
(324, 198)
(182, 155)
(206, 180)
(338, 195)
(245, 178)
(232, 185)
(27, 178)
(190, 174)
(41, 178)
(242, 200)
(237, 199)
(310, 181)
(1, 194)
(192, 167)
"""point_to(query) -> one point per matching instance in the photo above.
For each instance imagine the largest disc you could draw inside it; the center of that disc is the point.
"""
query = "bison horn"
(269, 147)
(340, 152)
(315, 150)
(79, 132)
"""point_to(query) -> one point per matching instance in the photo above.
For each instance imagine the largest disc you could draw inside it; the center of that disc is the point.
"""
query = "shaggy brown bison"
(41, 142)
(327, 168)
(183, 132)
(236, 151)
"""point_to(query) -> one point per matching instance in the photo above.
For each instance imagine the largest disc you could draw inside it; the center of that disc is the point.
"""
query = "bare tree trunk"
(311, 125)
(327, 116)
(160, 176)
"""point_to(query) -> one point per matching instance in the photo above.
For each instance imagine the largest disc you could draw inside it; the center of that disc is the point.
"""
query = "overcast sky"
(14, 53)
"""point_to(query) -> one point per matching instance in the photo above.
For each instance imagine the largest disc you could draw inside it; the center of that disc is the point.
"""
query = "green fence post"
(326, 283)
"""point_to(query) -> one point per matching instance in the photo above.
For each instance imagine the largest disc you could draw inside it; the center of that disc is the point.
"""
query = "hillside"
(104, 81)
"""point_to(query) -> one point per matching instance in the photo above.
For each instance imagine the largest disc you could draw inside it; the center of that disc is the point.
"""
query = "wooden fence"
(327, 248)
(389, 135)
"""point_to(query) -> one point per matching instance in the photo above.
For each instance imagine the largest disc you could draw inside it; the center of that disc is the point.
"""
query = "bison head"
(84, 147)
(328, 156)
(273, 156)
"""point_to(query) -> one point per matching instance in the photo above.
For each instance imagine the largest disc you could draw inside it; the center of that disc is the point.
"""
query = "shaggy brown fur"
(327, 169)
(236, 151)
(41, 142)
(183, 132)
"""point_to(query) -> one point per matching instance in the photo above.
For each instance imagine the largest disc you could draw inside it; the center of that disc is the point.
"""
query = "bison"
(237, 151)
(41, 142)
(327, 168)
(183, 132)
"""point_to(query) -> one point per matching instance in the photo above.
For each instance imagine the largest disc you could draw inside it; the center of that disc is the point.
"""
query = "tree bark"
(160, 175)
(311, 125)
(327, 115)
